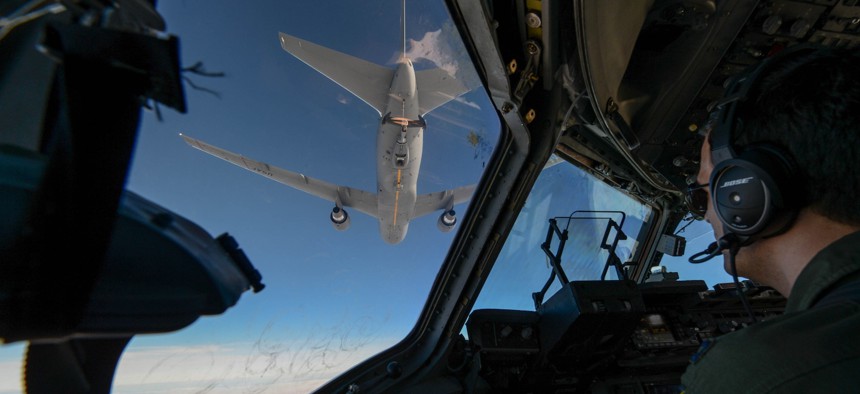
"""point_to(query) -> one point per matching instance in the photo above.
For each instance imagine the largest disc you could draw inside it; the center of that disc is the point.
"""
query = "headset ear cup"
(777, 169)
(740, 199)
(749, 191)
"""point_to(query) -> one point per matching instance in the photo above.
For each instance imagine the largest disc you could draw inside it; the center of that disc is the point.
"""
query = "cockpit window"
(591, 211)
(287, 140)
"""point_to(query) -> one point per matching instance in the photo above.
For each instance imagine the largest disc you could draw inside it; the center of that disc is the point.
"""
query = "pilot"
(779, 181)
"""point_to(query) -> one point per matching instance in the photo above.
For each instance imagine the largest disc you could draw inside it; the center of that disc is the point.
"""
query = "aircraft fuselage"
(399, 144)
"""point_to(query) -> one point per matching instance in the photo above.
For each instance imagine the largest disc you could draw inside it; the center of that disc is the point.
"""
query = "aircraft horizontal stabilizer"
(346, 196)
(367, 81)
(436, 87)
(428, 203)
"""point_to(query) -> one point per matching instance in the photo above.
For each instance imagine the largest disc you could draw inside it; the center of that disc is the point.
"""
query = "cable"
(712, 251)
(733, 244)
(733, 250)
(689, 222)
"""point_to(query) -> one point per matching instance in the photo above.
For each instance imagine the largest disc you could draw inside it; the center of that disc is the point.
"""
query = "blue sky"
(332, 298)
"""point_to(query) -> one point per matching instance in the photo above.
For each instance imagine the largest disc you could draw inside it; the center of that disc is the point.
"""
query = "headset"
(750, 186)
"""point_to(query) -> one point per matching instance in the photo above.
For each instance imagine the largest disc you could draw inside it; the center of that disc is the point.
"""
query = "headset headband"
(727, 124)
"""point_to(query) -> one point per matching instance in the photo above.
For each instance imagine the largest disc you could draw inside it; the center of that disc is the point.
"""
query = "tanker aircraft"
(401, 96)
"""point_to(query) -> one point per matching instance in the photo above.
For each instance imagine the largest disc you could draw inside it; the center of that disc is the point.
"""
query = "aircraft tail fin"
(367, 81)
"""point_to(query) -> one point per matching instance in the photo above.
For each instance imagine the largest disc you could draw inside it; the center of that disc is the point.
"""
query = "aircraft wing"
(367, 81)
(348, 197)
(436, 87)
(428, 203)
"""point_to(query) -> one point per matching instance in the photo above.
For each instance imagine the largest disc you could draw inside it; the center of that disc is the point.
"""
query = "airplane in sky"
(401, 96)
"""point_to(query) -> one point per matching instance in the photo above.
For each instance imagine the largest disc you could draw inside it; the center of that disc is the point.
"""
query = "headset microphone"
(726, 242)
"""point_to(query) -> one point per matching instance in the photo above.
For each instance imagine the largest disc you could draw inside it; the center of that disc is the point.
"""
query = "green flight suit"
(806, 350)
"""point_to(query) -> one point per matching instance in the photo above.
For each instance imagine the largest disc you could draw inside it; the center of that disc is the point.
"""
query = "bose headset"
(750, 186)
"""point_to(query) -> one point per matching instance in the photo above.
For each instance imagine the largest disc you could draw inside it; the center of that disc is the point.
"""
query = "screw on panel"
(611, 106)
(530, 116)
(533, 20)
(512, 66)
(394, 370)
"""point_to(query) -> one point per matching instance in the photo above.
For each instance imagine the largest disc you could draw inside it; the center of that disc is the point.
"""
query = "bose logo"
(736, 182)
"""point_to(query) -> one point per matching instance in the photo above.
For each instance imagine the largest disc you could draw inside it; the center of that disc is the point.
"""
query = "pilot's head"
(797, 132)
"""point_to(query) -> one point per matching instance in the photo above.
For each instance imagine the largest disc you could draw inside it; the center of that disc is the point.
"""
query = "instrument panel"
(609, 336)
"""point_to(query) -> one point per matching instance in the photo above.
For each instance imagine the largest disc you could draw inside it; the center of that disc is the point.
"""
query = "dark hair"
(810, 107)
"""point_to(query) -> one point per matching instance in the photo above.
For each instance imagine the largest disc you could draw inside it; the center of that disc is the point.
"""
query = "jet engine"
(339, 219)
(446, 221)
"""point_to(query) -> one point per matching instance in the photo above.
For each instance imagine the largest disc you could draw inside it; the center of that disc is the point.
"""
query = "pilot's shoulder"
(766, 356)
